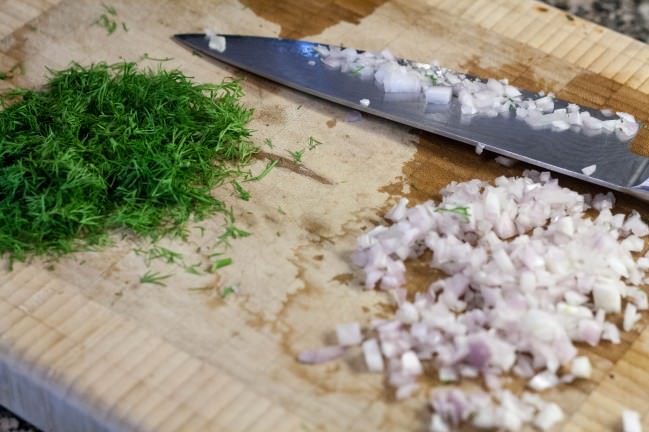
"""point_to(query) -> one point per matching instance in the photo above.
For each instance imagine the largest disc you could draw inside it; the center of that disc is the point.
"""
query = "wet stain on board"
(299, 18)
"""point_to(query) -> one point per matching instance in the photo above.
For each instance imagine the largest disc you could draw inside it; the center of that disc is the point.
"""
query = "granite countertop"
(630, 17)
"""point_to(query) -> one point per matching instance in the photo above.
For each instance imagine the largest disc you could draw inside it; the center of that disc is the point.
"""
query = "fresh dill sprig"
(296, 155)
(357, 70)
(110, 147)
(462, 211)
(269, 143)
(227, 291)
(154, 278)
(193, 269)
(220, 263)
(108, 20)
(269, 166)
(158, 252)
(243, 194)
(313, 143)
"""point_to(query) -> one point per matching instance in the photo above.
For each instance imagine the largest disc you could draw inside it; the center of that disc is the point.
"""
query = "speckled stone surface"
(630, 17)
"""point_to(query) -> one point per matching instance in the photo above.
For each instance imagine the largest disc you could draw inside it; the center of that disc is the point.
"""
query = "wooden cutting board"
(85, 346)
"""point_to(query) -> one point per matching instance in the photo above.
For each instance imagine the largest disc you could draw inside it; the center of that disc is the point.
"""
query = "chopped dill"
(110, 147)
(227, 291)
(269, 143)
(154, 278)
(433, 79)
(3, 76)
(243, 194)
(462, 211)
(280, 211)
(296, 155)
(313, 143)
(357, 70)
(193, 269)
(158, 252)
(219, 264)
(146, 56)
(107, 20)
(269, 166)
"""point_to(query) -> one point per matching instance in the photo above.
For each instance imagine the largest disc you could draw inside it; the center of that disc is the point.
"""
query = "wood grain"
(85, 346)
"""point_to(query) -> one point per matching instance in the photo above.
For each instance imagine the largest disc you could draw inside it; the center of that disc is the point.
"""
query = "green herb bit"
(219, 264)
(269, 167)
(280, 211)
(297, 155)
(269, 142)
(299, 106)
(512, 104)
(232, 232)
(170, 256)
(3, 76)
(154, 278)
(124, 26)
(109, 24)
(192, 269)
(313, 143)
(227, 291)
(357, 70)
(433, 79)
(146, 56)
(462, 211)
(243, 194)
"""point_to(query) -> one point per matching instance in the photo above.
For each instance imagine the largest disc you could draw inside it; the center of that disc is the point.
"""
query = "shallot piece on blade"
(477, 97)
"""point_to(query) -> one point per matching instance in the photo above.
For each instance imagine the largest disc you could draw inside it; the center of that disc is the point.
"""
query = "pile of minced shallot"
(476, 97)
(529, 275)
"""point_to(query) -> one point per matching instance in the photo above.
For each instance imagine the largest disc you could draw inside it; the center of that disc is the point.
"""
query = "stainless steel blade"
(296, 64)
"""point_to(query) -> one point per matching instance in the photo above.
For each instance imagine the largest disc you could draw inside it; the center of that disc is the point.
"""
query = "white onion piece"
(353, 116)
(438, 95)
(631, 316)
(215, 42)
(349, 334)
(372, 354)
(364, 102)
(589, 170)
(321, 355)
(548, 416)
(631, 421)
(580, 367)
(504, 161)
(543, 381)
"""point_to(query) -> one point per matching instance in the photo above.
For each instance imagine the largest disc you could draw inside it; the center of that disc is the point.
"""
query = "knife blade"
(297, 64)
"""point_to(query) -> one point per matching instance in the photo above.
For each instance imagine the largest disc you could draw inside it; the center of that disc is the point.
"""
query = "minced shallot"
(476, 97)
(529, 274)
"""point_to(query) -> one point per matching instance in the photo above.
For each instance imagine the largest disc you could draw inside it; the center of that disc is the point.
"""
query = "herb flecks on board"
(111, 147)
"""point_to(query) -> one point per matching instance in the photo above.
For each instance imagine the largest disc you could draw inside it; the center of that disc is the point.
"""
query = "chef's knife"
(297, 64)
